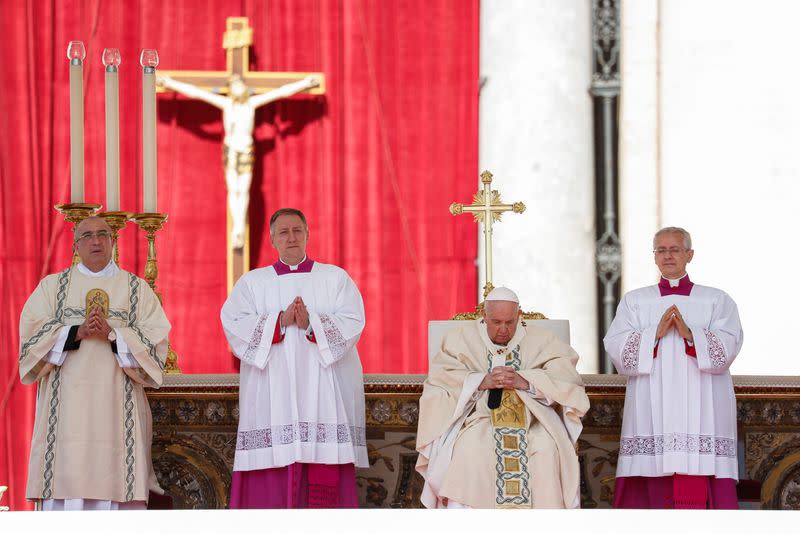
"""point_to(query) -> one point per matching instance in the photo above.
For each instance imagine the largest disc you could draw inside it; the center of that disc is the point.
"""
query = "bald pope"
(500, 414)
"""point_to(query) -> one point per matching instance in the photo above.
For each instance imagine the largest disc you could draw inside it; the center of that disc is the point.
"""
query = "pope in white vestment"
(517, 451)
(92, 337)
(676, 341)
(294, 326)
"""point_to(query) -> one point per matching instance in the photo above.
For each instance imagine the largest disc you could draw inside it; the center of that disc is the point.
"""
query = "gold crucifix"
(238, 92)
(487, 208)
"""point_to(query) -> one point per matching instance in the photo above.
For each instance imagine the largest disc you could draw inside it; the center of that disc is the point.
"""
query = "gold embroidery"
(512, 488)
(97, 298)
(511, 464)
(511, 413)
(510, 442)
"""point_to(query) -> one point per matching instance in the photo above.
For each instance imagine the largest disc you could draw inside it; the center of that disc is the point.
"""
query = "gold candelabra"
(116, 220)
(74, 213)
(152, 223)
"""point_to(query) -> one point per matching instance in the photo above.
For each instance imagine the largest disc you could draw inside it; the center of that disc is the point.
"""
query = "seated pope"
(500, 414)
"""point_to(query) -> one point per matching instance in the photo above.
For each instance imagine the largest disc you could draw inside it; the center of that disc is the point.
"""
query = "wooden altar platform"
(195, 419)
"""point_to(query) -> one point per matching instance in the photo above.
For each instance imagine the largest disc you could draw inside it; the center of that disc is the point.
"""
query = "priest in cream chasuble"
(294, 325)
(676, 341)
(500, 415)
(91, 338)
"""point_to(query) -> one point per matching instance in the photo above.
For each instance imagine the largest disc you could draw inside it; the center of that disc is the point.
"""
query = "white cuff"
(126, 360)
(124, 355)
(542, 399)
(57, 354)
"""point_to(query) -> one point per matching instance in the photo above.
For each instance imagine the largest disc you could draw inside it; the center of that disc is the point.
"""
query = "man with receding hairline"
(294, 325)
(500, 415)
(91, 337)
(676, 341)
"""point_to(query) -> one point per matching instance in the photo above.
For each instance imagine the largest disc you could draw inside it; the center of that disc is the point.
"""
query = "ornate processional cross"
(487, 208)
(236, 41)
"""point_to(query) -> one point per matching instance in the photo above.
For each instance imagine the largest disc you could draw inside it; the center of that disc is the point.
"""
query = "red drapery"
(374, 164)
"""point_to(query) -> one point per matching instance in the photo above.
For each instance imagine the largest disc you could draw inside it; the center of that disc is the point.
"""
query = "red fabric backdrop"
(374, 164)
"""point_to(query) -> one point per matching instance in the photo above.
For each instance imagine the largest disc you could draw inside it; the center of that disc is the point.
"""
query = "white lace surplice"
(680, 412)
(298, 401)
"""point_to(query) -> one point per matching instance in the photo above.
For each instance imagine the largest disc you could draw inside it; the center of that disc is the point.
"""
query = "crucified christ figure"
(238, 119)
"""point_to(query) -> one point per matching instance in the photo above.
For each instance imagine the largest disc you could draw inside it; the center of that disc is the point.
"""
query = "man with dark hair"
(676, 341)
(294, 325)
(91, 337)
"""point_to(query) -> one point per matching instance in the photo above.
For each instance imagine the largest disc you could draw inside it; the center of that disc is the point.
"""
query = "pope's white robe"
(456, 441)
(680, 411)
(299, 401)
(92, 434)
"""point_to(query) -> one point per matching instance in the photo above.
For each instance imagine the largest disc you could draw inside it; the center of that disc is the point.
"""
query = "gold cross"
(487, 208)
(236, 41)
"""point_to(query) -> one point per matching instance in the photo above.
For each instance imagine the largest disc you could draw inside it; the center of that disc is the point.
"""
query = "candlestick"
(76, 53)
(151, 223)
(111, 60)
(149, 62)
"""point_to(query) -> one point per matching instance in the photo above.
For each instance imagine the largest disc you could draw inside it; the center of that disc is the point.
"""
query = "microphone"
(495, 395)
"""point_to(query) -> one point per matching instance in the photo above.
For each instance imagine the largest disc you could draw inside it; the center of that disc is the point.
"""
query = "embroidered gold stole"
(510, 422)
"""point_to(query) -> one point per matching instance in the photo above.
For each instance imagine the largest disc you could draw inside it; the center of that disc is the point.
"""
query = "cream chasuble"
(299, 400)
(520, 455)
(92, 434)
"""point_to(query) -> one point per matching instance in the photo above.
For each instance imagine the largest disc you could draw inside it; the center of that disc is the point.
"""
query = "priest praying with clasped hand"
(294, 325)
(500, 415)
(92, 337)
(675, 341)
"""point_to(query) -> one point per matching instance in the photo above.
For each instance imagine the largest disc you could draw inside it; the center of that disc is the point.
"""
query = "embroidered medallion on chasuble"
(510, 422)
(97, 298)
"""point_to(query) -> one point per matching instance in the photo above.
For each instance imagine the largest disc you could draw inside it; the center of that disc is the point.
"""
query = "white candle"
(76, 53)
(149, 61)
(111, 60)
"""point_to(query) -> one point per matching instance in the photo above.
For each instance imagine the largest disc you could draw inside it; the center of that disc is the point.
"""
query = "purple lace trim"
(255, 339)
(336, 341)
(658, 445)
(716, 352)
(304, 432)
(630, 352)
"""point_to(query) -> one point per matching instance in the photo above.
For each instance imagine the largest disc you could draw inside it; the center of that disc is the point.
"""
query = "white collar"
(293, 267)
(493, 347)
(676, 282)
(106, 272)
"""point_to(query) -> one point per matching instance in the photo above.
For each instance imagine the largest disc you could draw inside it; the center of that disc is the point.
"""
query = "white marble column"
(639, 135)
(536, 138)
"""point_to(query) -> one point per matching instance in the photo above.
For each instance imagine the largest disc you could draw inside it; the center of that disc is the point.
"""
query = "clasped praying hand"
(503, 378)
(672, 318)
(295, 313)
(95, 325)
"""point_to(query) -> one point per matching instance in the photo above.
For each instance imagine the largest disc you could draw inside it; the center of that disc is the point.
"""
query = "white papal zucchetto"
(502, 293)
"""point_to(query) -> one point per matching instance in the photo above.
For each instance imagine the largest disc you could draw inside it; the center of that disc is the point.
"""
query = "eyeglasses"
(88, 236)
(660, 251)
